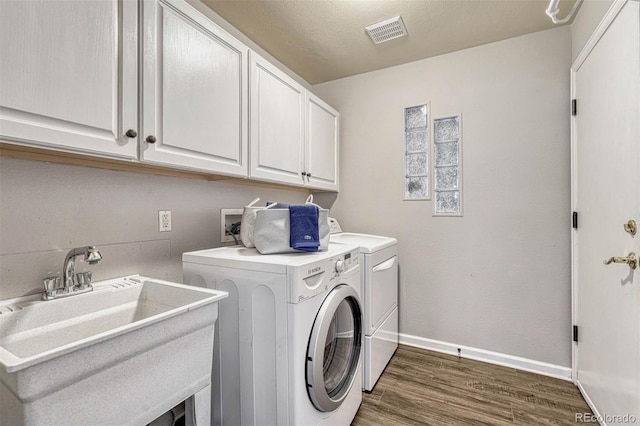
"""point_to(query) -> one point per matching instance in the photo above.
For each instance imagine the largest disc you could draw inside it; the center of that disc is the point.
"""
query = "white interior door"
(606, 164)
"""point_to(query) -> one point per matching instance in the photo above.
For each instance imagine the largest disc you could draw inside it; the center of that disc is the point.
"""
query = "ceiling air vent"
(386, 30)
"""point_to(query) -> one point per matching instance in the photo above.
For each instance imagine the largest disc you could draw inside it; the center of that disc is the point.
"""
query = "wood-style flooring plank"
(421, 387)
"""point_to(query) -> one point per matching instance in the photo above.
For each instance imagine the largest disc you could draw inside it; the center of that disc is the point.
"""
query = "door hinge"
(574, 220)
(574, 106)
(575, 333)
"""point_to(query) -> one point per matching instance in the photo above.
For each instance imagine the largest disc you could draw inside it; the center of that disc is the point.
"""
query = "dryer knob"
(340, 266)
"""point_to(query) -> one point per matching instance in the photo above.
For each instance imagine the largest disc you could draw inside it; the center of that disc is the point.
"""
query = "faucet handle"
(83, 279)
(51, 284)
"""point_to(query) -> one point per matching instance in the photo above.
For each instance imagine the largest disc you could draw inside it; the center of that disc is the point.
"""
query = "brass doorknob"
(630, 260)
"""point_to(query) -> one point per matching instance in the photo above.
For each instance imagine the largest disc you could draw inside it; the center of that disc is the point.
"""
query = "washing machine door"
(334, 348)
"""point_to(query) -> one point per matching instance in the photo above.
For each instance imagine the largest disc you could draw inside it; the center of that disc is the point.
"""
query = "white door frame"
(600, 30)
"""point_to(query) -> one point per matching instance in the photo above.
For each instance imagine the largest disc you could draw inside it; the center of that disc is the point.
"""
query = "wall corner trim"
(602, 27)
(505, 360)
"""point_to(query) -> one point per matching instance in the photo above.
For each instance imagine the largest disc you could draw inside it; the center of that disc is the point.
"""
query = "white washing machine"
(289, 336)
(379, 270)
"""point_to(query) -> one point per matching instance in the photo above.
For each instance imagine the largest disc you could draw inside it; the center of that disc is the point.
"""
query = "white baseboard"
(497, 358)
(596, 413)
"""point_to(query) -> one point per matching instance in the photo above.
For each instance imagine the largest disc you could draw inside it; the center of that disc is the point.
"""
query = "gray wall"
(49, 208)
(587, 19)
(498, 278)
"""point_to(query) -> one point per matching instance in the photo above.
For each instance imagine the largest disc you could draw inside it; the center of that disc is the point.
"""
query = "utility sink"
(122, 354)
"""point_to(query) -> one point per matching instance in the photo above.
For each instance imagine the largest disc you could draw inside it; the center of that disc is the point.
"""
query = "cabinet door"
(69, 75)
(321, 152)
(194, 91)
(277, 123)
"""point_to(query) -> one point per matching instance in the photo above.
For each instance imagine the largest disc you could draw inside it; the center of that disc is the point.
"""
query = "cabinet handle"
(308, 175)
(131, 133)
(304, 174)
(151, 139)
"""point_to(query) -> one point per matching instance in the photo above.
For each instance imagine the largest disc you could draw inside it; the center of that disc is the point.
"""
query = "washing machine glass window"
(339, 348)
(334, 348)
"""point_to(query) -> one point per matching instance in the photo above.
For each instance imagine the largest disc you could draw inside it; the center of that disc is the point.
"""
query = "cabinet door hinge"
(575, 333)
(574, 220)
(574, 106)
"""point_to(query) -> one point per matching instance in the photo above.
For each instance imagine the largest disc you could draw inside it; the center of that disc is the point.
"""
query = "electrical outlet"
(164, 220)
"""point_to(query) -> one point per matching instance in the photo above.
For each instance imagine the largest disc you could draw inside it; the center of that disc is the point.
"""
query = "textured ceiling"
(323, 40)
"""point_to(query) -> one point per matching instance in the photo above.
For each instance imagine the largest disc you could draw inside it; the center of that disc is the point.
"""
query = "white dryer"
(289, 335)
(379, 270)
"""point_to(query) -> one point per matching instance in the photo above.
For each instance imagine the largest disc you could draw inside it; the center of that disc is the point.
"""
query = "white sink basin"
(122, 354)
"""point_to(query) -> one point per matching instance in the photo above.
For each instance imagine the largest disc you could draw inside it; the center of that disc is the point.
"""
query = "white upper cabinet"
(321, 148)
(78, 75)
(69, 75)
(277, 123)
(293, 134)
(194, 105)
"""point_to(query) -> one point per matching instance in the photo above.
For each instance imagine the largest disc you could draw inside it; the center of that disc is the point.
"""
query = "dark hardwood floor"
(421, 387)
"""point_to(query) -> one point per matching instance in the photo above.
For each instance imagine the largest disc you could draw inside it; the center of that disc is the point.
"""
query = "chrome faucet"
(81, 283)
(90, 254)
